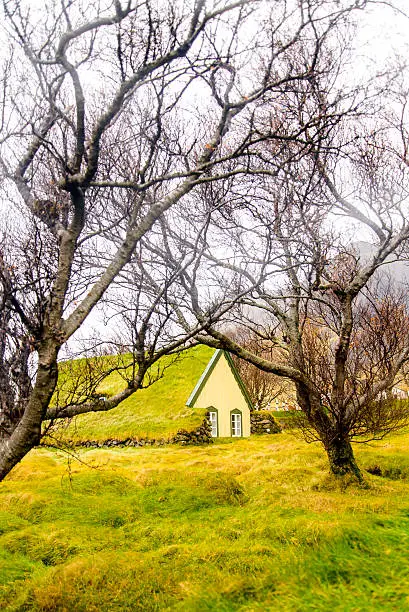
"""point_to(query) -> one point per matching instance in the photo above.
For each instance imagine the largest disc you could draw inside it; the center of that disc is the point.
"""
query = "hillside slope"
(155, 412)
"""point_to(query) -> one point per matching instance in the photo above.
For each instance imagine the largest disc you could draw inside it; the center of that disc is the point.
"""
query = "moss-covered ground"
(253, 524)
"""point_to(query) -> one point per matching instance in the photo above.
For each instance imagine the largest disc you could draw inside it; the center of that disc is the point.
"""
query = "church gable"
(219, 378)
(221, 390)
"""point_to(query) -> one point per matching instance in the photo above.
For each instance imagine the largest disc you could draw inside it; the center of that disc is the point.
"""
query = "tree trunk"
(27, 433)
(341, 458)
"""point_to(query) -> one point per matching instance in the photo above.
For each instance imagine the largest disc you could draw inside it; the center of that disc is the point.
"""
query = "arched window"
(214, 421)
(236, 424)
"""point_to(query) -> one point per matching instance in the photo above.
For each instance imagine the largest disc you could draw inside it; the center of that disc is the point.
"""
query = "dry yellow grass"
(252, 524)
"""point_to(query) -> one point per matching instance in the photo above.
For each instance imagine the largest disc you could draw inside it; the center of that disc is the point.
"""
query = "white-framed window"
(236, 424)
(213, 423)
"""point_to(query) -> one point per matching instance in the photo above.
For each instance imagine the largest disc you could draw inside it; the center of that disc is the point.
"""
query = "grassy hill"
(254, 524)
(155, 412)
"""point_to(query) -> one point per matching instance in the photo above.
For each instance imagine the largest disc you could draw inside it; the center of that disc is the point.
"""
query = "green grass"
(253, 524)
(286, 418)
(158, 411)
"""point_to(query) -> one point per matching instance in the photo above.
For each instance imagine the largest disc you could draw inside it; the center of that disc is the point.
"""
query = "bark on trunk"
(336, 443)
(341, 458)
(27, 434)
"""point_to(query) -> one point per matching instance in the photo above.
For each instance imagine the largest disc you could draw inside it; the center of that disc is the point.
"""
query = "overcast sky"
(382, 35)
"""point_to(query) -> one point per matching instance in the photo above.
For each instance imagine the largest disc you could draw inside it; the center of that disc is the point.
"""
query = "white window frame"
(213, 423)
(236, 424)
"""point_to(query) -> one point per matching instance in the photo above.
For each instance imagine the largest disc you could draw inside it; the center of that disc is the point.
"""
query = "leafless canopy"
(276, 250)
(141, 141)
(111, 113)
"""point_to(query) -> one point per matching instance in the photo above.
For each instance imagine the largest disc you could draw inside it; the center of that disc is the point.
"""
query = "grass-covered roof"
(157, 411)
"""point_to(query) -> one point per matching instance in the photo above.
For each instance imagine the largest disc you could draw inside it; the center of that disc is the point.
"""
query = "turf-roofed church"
(221, 390)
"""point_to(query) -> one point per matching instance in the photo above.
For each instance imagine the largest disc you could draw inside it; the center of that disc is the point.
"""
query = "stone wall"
(263, 422)
(200, 435)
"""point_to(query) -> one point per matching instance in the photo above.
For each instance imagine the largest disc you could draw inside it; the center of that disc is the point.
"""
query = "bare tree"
(331, 165)
(111, 114)
(344, 334)
(264, 387)
(118, 121)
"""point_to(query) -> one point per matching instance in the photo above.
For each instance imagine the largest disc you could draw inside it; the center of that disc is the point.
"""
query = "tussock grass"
(254, 524)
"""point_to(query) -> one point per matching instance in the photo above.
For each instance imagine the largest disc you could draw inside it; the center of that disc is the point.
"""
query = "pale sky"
(382, 35)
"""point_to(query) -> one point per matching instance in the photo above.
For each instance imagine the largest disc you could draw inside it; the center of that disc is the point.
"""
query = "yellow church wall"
(222, 391)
